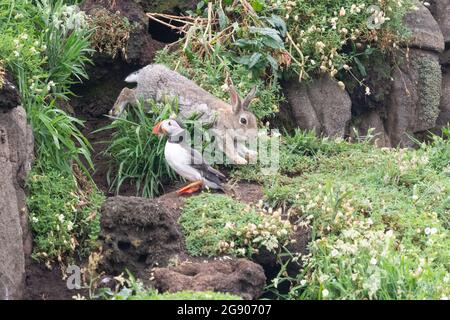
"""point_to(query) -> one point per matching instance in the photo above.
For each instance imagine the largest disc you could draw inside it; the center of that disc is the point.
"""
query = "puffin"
(187, 161)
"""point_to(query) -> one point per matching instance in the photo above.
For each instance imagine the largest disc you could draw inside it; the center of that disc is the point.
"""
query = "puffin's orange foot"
(191, 188)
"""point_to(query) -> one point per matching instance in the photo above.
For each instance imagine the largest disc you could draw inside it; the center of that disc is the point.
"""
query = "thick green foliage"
(63, 214)
(215, 224)
(136, 154)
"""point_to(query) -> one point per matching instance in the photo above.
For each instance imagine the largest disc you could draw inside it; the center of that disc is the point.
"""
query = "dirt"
(44, 284)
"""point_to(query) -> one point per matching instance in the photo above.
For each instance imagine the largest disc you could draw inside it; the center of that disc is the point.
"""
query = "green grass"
(379, 220)
(45, 47)
(136, 154)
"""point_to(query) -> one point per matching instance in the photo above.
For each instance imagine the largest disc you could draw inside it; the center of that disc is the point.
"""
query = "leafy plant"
(58, 139)
(136, 154)
(66, 37)
(284, 37)
(63, 214)
(45, 46)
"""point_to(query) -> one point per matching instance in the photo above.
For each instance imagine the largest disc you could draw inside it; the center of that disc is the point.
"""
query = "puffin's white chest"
(179, 159)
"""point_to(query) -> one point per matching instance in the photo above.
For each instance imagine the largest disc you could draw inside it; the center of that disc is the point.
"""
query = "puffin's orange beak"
(156, 129)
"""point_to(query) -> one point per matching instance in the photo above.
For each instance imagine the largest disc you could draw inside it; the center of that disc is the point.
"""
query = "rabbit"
(232, 123)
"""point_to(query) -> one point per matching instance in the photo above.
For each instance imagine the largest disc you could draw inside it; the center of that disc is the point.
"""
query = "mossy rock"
(430, 79)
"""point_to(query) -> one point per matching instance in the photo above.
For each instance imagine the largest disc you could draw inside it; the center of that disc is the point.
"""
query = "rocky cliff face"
(16, 155)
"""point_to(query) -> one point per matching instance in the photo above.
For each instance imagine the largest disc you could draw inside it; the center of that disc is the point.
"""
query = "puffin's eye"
(170, 123)
(243, 120)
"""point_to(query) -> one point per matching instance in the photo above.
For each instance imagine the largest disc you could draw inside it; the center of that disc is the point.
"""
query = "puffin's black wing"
(208, 172)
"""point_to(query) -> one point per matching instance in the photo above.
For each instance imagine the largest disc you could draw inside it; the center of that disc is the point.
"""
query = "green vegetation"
(111, 32)
(379, 220)
(2, 74)
(63, 214)
(215, 224)
(45, 45)
(136, 154)
(258, 42)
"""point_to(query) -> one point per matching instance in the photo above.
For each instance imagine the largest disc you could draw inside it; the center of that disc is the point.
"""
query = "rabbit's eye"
(243, 120)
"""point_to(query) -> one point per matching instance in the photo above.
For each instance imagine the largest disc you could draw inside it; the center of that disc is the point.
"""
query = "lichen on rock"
(430, 79)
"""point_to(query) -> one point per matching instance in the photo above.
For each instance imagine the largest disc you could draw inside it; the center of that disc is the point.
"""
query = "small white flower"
(16, 53)
(427, 231)
(303, 282)
(50, 85)
(368, 91)
(433, 231)
(70, 226)
(334, 253)
(61, 218)
(325, 293)
(373, 261)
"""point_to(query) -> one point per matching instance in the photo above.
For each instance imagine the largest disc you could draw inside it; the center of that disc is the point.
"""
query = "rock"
(320, 105)
(9, 96)
(425, 31)
(16, 155)
(441, 12)
(236, 276)
(444, 114)
(372, 120)
(21, 142)
(445, 58)
(413, 105)
(137, 233)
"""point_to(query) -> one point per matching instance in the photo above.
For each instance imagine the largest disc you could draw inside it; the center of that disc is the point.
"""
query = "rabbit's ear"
(235, 100)
(250, 96)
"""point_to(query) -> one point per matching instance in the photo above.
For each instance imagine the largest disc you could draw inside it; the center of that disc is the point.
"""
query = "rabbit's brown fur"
(232, 124)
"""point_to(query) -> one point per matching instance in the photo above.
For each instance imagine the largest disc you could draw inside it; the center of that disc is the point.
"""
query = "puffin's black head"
(169, 127)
